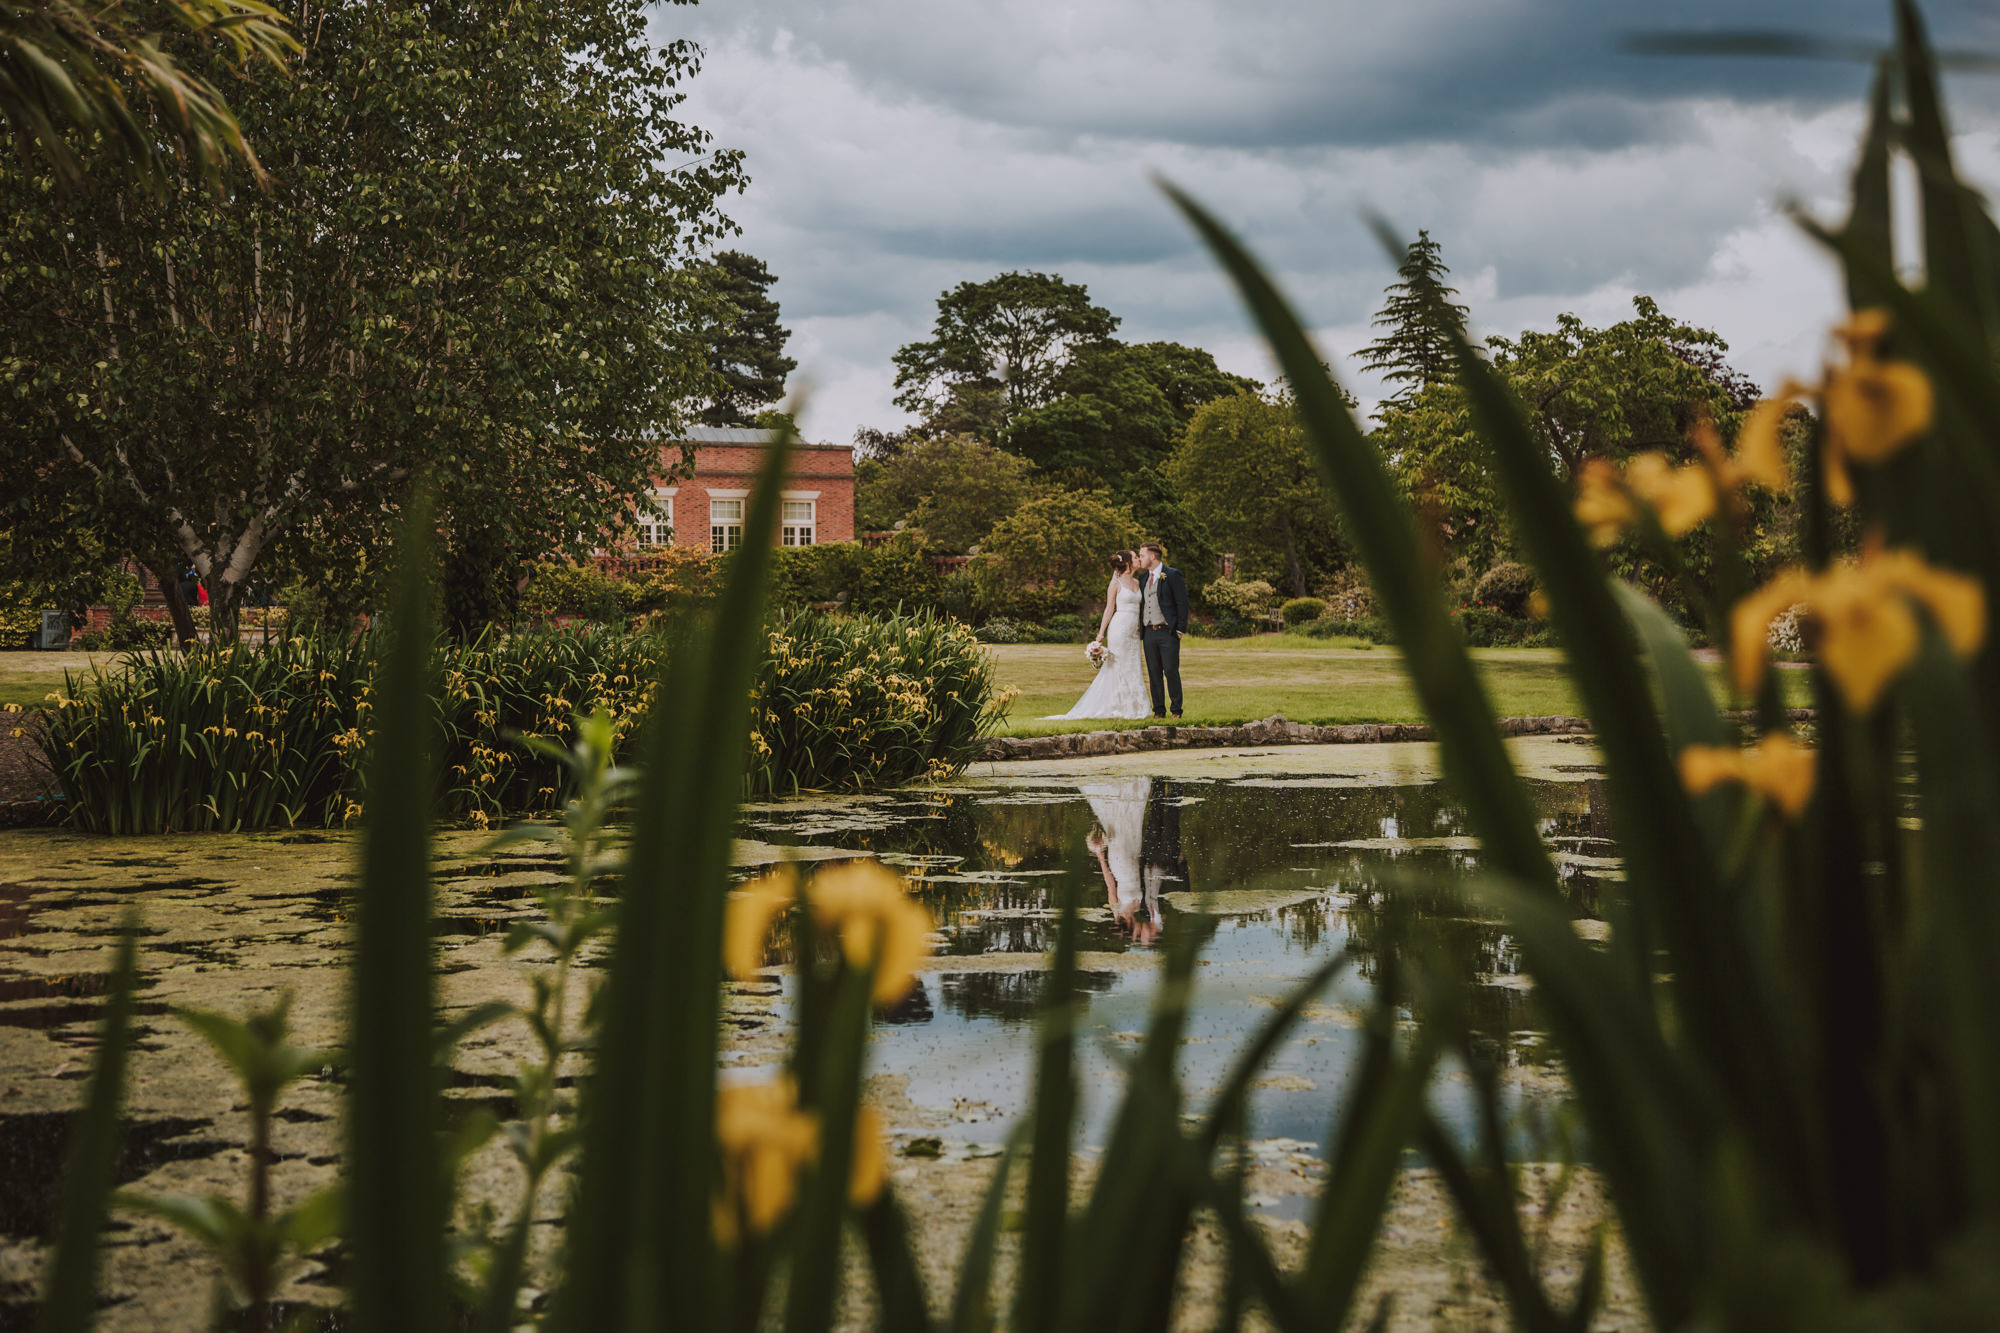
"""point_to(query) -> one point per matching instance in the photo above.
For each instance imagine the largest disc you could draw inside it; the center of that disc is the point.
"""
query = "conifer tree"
(748, 354)
(1419, 320)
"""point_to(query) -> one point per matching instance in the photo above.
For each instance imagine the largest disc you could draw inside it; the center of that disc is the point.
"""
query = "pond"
(1287, 854)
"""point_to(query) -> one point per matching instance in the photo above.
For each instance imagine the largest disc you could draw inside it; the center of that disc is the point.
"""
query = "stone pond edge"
(1273, 730)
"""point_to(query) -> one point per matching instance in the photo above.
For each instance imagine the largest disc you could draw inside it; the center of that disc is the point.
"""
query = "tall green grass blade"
(1132, 1198)
(1045, 1237)
(1234, 1095)
(1957, 265)
(898, 1282)
(1250, 1257)
(816, 1251)
(1676, 882)
(1377, 1122)
(1691, 718)
(1960, 922)
(69, 1295)
(1385, 535)
(1869, 224)
(1486, 1201)
(972, 1303)
(1650, 1123)
(640, 1252)
(396, 1188)
(1686, 704)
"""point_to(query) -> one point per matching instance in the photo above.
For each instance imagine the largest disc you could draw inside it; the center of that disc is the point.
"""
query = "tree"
(1117, 408)
(954, 488)
(1244, 467)
(479, 280)
(1186, 377)
(1640, 384)
(103, 69)
(1168, 517)
(996, 349)
(1118, 423)
(1420, 322)
(1054, 552)
(746, 346)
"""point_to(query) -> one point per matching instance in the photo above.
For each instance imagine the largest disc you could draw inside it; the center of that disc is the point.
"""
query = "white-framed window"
(656, 517)
(801, 522)
(725, 524)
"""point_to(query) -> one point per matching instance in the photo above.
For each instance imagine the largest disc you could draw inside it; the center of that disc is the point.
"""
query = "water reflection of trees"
(1013, 997)
(1232, 835)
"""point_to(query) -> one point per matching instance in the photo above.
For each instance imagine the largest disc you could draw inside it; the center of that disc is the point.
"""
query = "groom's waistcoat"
(1149, 609)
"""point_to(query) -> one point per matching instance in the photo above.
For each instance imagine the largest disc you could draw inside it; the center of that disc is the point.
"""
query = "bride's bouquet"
(1096, 652)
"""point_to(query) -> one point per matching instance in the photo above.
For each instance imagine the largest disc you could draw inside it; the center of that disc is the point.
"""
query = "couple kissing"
(1137, 650)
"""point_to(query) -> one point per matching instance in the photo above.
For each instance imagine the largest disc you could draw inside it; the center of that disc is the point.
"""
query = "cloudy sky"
(899, 147)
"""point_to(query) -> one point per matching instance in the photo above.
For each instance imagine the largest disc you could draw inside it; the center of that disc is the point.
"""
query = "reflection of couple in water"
(1137, 843)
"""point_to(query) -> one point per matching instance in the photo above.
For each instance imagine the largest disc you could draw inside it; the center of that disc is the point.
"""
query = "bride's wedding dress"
(1119, 689)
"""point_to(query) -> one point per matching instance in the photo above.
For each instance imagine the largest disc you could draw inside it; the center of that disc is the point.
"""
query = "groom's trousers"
(1163, 669)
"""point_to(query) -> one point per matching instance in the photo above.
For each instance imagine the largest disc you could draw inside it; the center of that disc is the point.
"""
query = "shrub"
(1485, 627)
(672, 579)
(1301, 610)
(998, 631)
(245, 738)
(123, 635)
(1054, 552)
(1347, 594)
(896, 576)
(804, 575)
(122, 592)
(311, 613)
(1371, 630)
(1505, 587)
(1786, 635)
(558, 588)
(1069, 627)
(854, 703)
(1240, 599)
(1226, 627)
(20, 620)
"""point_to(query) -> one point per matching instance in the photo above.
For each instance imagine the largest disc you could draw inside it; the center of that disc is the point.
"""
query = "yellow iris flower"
(747, 920)
(1864, 615)
(861, 901)
(1776, 767)
(1682, 497)
(765, 1141)
(876, 920)
(1874, 408)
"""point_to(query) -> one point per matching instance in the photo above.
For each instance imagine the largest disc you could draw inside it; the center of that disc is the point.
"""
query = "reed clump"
(247, 737)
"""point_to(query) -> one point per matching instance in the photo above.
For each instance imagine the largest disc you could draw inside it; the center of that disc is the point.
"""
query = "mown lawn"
(1307, 680)
(27, 678)
(1225, 680)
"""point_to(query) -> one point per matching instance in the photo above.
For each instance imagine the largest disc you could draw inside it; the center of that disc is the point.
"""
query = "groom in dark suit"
(1163, 618)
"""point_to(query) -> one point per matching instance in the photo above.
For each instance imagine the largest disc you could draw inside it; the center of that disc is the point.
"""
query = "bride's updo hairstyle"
(1121, 561)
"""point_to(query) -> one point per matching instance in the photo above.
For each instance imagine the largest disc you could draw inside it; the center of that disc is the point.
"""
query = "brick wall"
(823, 473)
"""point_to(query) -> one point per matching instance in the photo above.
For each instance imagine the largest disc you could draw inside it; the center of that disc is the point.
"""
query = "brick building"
(707, 510)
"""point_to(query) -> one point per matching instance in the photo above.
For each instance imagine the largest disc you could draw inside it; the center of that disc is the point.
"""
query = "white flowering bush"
(1348, 596)
(1786, 635)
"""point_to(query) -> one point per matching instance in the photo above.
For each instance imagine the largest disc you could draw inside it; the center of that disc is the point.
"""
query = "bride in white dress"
(1119, 689)
(1116, 842)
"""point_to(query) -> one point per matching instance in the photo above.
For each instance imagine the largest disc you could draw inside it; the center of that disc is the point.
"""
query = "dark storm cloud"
(900, 147)
(1509, 73)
